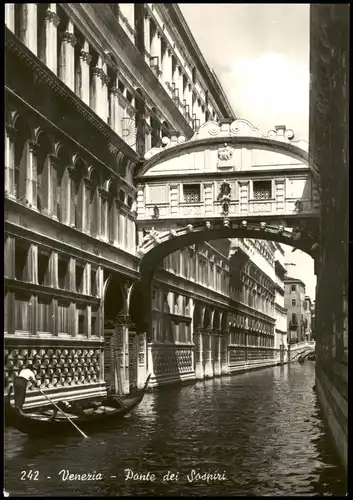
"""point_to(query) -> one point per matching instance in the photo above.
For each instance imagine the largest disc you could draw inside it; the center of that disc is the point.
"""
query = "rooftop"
(289, 279)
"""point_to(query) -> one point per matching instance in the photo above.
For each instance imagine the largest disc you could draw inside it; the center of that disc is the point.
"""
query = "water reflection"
(262, 430)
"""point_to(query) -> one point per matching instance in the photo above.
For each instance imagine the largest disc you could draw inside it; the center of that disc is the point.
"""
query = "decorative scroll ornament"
(129, 131)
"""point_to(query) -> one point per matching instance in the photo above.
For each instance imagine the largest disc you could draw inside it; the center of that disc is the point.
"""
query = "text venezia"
(129, 475)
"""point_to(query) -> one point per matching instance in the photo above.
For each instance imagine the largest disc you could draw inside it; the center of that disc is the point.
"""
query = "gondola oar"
(66, 416)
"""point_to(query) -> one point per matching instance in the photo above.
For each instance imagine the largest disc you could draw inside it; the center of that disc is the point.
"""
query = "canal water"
(256, 434)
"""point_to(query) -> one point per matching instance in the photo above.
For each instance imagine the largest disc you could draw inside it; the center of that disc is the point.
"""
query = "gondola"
(48, 423)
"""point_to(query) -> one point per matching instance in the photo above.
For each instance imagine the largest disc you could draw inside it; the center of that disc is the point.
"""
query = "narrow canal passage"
(261, 431)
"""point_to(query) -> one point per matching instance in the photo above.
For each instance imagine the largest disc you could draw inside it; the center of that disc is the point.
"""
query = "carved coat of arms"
(225, 156)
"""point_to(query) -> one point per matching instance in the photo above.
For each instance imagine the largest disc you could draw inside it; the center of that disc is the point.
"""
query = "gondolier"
(25, 376)
(27, 373)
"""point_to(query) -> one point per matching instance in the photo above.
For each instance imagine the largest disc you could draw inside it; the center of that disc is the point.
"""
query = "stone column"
(9, 257)
(189, 97)
(104, 214)
(218, 354)
(122, 333)
(31, 175)
(10, 134)
(199, 355)
(224, 354)
(148, 132)
(71, 193)
(209, 356)
(91, 188)
(86, 185)
(67, 57)
(10, 16)
(147, 38)
(122, 113)
(113, 222)
(96, 87)
(51, 49)
(104, 102)
(28, 26)
(166, 64)
(9, 268)
(179, 81)
(118, 117)
(150, 367)
(121, 227)
(83, 74)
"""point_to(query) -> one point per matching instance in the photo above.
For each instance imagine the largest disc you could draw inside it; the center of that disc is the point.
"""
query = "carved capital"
(105, 78)
(103, 193)
(11, 132)
(54, 160)
(33, 146)
(85, 56)
(72, 172)
(52, 17)
(88, 182)
(97, 71)
(122, 320)
(69, 37)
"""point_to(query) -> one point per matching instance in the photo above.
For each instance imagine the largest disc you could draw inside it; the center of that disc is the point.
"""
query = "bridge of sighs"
(227, 181)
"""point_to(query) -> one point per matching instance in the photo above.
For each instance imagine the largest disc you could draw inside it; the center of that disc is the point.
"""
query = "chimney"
(280, 129)
(225, 125)
(174, 134)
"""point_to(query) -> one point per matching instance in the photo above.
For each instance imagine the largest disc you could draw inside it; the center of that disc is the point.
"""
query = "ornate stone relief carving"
(225, 153)
(55, 366)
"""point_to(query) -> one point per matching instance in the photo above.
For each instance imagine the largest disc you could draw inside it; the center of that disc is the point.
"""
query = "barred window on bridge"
(192, 193)
(262, 190)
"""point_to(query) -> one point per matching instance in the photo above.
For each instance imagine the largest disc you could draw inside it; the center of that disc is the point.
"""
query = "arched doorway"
(137, 339)
(207, 346)
(114, 342)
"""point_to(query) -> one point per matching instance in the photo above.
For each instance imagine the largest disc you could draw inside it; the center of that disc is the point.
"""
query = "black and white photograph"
(176, 249)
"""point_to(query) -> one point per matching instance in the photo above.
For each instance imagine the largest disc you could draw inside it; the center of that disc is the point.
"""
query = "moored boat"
(49, 423)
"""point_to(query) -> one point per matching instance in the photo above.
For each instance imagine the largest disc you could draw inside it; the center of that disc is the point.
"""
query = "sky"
(260, 53)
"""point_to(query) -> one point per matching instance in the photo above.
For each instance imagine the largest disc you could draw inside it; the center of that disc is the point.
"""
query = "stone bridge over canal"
(302, 349)
(228, 180)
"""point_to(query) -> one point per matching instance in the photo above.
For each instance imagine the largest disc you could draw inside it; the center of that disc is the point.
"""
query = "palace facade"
(90, 88)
